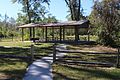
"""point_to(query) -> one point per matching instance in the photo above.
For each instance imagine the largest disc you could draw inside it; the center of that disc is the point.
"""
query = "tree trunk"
(78, 13)
(28, 11)
(29, 17)
(74, 6)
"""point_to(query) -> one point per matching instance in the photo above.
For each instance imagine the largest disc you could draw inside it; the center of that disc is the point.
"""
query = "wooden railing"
(118, 56)
(55, 50)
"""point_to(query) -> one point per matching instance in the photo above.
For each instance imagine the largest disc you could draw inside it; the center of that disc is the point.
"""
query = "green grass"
(82, 37)
(75, 72)
(105, 58)
(10, 39)
(85, 37)
(12, 69)
(16, 44)
(23, 48)
(66, 71)
(15, 68)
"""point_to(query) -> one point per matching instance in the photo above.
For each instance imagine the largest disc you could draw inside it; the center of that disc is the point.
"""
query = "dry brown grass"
(98, 48)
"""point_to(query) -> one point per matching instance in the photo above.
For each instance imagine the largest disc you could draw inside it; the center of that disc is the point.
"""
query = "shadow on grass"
(107, 59)
(14, 50)
(13, 69)
(14, 74)
(90, 57)
(19, 51)
(13, 66)
(59, 76)
(9, 61)
(89, 73)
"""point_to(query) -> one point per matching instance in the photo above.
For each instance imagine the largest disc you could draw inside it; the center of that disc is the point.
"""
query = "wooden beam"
(86, 63)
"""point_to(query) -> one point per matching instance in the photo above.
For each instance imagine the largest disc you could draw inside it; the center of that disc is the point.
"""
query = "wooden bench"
(34, 39)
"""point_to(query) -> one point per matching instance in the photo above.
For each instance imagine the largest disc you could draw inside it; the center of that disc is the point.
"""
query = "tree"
(21, 19)
(12, 21)
(49, 19)
(0, 17)
(31, 7)
(82, 17)
(7, 27)
(74, 7)
(105, 16)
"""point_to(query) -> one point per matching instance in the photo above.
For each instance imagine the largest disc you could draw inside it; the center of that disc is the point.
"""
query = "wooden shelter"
(62, 26)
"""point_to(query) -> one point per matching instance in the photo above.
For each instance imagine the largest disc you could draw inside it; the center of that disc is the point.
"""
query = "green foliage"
(82, 17)
(22, 19)
(49, 19)
(75, 9)
(75, 12)
(33, 9)
(105, 17)
(7, 27)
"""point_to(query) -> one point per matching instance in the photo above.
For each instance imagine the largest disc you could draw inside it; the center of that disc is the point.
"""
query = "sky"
(57, 8)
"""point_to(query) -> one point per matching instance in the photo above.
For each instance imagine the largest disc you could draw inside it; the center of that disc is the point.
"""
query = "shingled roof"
(57, 24)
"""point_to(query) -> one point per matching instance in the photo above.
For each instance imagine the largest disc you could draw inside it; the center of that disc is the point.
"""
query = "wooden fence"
(31, 56)
(25, 56)
(55, 50)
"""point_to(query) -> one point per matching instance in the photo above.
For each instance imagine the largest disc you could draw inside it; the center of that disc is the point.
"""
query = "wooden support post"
(63, 33)
(60, 33)
(46, 34)
(88, 37)
(54, 52)
(22, 34)
(32, 52)
(117, 63)
(43, 33)
(30, 33)
(33, 32)
(76, 34)
(52, 33)
(89, 33)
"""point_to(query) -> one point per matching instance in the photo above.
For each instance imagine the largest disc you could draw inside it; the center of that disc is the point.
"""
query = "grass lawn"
(78, 72)
(16, 44)
(23, 48)
(14, 69)
(66, 71)
(98, 48)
